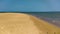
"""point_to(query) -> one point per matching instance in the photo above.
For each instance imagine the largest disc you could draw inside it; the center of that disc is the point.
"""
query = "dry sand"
(18, 23)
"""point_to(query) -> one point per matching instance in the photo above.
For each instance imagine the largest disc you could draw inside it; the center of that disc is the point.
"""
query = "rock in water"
(18, 23)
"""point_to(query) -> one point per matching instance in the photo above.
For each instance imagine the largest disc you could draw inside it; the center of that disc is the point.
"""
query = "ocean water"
(51, 17)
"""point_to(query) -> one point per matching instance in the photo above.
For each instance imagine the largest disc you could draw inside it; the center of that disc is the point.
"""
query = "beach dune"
(19, 23)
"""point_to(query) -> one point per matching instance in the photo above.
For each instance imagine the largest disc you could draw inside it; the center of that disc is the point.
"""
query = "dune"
(19, 23)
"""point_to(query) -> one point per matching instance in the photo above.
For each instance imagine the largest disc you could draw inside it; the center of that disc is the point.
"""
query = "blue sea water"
(50, 17)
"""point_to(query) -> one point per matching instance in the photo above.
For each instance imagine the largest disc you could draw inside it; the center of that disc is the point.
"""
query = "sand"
(19, 23)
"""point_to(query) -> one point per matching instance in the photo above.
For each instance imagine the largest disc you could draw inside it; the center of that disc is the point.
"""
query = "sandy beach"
(18, 23)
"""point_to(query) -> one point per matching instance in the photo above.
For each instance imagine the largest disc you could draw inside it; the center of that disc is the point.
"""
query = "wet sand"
(18, 23)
